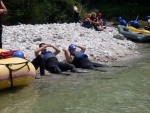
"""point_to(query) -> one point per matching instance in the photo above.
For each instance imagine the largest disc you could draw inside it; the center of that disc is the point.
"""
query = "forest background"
(60, 11)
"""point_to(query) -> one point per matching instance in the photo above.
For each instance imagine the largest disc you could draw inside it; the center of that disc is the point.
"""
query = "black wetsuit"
(52, 65)
(81, 61)
(85, 63)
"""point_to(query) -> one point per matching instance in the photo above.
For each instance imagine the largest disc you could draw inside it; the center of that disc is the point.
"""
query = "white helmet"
(148, 20)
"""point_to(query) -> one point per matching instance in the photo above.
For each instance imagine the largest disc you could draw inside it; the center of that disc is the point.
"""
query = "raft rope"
(11, 70)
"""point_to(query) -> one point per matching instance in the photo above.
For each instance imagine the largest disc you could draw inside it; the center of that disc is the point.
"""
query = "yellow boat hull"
(139, 30)
(16, 72)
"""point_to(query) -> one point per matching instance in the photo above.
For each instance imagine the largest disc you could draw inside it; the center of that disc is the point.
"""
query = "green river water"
(119, 90)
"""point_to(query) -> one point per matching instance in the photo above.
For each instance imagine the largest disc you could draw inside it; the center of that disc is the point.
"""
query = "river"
(118, 90)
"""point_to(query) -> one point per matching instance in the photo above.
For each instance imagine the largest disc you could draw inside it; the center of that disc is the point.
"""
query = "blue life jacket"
(79, 54)
(135, 24)
(148, 17)
(123, 22)
(47, 54)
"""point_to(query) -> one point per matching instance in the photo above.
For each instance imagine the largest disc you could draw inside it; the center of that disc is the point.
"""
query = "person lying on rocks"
(48, 60)
(79, 59)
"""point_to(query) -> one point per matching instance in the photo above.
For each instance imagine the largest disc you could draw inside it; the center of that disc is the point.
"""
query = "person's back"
(122, 21)
(134, 24)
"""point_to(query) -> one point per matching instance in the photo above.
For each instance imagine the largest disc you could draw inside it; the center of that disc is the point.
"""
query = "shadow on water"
(118, 90)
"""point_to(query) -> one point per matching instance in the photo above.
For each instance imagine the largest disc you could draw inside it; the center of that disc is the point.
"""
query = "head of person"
(99, 15)
(120, 18)
(41, 45)
(19, 54)
(134, 23)
(131, 22)
(148, 20)
(72, 48)
(76, 4)
(93, 15)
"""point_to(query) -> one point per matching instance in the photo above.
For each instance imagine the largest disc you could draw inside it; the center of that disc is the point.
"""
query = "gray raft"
(137, 37)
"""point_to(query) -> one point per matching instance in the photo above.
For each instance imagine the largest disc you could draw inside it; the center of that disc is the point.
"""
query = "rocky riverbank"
(102, 46)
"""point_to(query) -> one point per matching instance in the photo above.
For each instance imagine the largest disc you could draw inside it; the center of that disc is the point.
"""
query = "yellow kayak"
(16, 72)
(139, 30)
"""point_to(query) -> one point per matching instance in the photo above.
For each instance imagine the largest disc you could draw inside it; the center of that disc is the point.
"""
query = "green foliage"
(52, 11)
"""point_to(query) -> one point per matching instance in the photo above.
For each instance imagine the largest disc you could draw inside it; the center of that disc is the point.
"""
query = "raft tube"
(126, 32)
(16, 72)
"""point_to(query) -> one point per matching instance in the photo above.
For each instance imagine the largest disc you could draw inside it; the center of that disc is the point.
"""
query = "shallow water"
(118, 90)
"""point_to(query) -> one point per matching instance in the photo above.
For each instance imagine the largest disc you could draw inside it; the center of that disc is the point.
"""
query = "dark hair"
(40, 45)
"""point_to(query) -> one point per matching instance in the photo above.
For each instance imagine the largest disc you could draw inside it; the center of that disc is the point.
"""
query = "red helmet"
(99, 14)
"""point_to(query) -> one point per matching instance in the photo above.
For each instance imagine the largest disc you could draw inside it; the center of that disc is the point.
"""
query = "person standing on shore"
(76, 13)
(3, 10)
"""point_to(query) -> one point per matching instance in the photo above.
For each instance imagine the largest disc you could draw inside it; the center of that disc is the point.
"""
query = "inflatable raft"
(138, 37)
(16, 72)
(139, 30)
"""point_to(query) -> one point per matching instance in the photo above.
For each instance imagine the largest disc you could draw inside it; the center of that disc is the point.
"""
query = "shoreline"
(101, 46)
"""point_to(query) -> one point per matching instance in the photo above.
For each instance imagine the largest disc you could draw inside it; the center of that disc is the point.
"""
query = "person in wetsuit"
(79, 58)
(48, 60)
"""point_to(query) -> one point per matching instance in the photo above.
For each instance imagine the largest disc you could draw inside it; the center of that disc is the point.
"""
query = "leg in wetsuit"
(38, 62)
(99, 65)
(85, 63)
(42, 68)
(51, 65)
(66, 66)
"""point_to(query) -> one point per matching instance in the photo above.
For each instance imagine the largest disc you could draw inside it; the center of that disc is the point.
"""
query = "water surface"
(119, 90)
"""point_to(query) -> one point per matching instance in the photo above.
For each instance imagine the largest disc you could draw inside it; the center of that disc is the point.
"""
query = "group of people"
(45, 59)
(48, 60)
(95, 21)
(91, 20)
(134, 23)
(75, 59)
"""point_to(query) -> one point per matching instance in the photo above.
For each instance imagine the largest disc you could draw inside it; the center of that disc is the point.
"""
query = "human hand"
(65, 48)
(45, 46)
(5, 11)
(49, 45)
